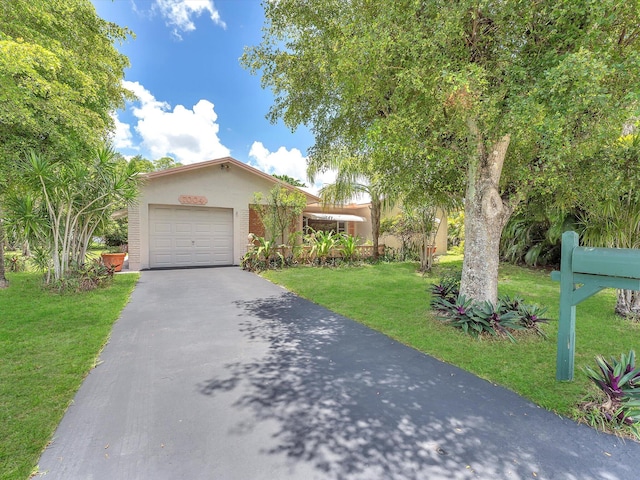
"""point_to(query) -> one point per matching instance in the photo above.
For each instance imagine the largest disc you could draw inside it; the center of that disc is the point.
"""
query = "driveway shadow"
(355, 404)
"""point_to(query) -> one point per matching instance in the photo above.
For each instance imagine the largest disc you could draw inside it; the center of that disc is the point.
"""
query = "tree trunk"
(486, 214)
(375, 225)
(4, 283)
(628, 303)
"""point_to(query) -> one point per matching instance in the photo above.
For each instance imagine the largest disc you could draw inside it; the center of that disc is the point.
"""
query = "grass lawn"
(393, 299)
(48, 343)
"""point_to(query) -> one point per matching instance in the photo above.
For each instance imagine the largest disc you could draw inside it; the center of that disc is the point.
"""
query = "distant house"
(355, 219)
(200, 215)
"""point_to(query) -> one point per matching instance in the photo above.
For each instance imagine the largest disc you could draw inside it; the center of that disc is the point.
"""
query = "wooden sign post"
(593, 269)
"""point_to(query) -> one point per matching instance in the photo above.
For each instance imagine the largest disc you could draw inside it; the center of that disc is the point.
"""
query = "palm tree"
(355, 176)
(611, 215)
(62, 204)
(616, 224)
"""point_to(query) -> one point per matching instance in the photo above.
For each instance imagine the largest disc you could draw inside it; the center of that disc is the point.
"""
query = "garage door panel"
(203, 228)
(204, 258)
(162, 227)
(163, 260)
(183, 243)
(184, 259)
(190, 236)
(204, 243)
(162, 243)
(184, 228)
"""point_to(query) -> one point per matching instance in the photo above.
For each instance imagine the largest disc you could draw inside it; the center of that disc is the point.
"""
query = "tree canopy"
(147, 166)
(278, 211)
(496, 99)
(60, 81)
(60, 77)
(290, 180)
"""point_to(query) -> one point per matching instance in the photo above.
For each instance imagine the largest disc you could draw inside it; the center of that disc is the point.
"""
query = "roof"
(236, 163)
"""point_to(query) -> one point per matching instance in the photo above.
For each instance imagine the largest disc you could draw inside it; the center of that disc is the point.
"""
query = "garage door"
(190, 236)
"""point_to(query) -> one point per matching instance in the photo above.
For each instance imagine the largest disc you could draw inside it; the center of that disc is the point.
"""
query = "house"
(355, 219)
(196, 215)
(200, 215)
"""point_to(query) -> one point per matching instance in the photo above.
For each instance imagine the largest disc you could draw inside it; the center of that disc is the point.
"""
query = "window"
(324, 225)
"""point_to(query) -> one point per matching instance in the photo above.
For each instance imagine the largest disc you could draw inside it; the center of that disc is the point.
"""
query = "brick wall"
(255, 225)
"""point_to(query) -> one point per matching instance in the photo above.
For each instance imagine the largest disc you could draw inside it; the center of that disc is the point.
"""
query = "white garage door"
(190, 236)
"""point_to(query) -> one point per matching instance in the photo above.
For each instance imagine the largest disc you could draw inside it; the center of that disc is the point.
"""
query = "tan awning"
(333, 217)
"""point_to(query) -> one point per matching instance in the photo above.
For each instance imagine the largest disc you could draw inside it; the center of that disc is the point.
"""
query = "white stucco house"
(199, 215)
(195, 215)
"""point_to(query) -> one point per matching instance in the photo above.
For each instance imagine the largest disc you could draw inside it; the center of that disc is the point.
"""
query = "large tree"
(59, 205)
(60, 81)
(507, 95)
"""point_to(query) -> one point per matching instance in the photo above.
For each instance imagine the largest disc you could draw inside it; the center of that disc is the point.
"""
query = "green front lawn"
(48, 343)
(393, 299)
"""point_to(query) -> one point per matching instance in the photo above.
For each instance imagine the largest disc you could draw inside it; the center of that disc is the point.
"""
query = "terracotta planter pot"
(113, 259)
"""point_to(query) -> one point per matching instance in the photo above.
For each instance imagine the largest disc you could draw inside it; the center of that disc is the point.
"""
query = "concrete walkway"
(219, 374)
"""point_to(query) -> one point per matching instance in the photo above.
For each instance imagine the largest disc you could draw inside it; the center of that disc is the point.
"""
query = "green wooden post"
(567, 320)
(594, 269)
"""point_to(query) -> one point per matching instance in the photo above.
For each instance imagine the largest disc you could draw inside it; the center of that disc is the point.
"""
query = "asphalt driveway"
(219, 374)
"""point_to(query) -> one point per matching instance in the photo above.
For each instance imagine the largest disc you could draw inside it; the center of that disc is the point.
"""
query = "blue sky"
(195, 101)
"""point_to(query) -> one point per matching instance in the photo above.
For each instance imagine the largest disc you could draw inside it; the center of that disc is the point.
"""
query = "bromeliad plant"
(348, 246)
(446, 289)
(503, 319)
(531, 317)
(263, 255)
(620, 382)
(322, 244)
(460, 313)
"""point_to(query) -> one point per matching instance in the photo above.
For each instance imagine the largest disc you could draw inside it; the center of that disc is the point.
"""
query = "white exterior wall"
(231, 187)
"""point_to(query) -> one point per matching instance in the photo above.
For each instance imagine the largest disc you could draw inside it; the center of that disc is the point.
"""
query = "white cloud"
(179, 14)
(188, 135)
(121, 136)
(287, 162)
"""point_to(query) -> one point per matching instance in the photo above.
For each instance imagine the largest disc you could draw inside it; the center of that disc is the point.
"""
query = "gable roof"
(236, 163)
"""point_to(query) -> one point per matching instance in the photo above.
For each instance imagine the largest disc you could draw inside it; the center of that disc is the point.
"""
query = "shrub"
(617, 379)
(620, 383)
(502, 319)
(460, 314)
(348, 245)
(322, 244)
(115, 233)
(447, 288)
(262, 256)
(14, 263)
(531, 317)
(83, 278)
